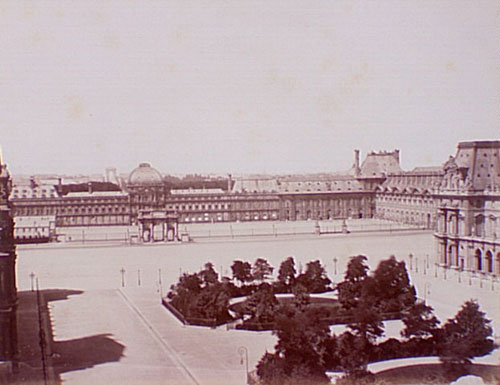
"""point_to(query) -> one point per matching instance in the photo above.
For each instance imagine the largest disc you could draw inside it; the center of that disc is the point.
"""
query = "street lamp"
(243, 352)
(427, 286)
(335, 260)
(122, 270)
(411, 259)
(32, 276)
(416, 264)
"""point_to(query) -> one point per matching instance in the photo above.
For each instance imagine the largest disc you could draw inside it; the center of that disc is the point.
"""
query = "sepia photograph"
(250, 192)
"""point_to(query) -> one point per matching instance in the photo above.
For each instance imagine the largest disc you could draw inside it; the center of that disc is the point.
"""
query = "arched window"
(489, 262)
(478, 258)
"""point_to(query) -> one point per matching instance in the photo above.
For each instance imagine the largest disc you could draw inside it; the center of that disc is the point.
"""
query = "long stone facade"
(459, 199)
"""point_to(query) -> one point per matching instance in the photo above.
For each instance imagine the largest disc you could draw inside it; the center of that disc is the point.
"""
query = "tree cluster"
(201, 295)
(306, 349)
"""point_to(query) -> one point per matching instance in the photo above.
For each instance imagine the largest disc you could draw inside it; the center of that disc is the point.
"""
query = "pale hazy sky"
(243, 86)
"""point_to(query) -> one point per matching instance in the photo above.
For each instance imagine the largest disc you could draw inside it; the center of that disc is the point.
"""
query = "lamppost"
(410, 256)
(138, 277)
(427, 260)
(122, 270)
(159, 284)
(416, 264)
(427, 287)
(335, 260)
(32, 277)
(243, 352)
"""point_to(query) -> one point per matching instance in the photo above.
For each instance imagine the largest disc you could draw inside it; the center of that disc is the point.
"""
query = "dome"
(145, 174)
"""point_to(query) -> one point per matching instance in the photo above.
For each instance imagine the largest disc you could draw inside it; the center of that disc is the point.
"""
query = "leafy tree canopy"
(242, 271)
(419, 321)
(286, 273)
(314, 279)
(261, 269)
(208, 275)
(467, 335)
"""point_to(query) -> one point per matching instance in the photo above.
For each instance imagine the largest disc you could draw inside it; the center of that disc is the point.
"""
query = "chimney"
(356, 162)
(396, 155)
(90, 187)
(229, 182)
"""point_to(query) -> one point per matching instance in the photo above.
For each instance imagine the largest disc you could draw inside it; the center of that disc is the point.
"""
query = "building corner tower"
(8, 289)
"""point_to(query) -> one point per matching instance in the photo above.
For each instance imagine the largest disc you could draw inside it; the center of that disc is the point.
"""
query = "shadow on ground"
(436, 374)
(34, 326)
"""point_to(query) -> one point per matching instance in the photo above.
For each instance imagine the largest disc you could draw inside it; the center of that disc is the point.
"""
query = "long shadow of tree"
(61, 356)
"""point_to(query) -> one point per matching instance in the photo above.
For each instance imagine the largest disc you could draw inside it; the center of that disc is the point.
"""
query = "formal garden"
(301, 306)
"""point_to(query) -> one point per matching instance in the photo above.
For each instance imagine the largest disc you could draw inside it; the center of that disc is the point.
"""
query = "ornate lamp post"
(122, 270)
(416, 264)
(410, 256)
(335, 260)
(243, 352)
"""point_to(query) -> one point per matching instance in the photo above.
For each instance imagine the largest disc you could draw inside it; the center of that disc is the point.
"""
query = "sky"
(213, 86)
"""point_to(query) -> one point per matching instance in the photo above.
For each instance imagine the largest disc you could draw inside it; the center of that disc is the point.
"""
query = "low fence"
(291, 228)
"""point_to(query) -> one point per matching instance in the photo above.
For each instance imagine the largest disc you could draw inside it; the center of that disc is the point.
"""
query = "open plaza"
(104, 295)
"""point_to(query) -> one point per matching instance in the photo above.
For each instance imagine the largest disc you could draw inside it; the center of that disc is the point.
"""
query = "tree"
(314, 278)
(261, 269)
(286, 273)
(261, 304)
(303, 341)
(356, 269)
(208, 275)
(466, 336)
(393, 291)
(185, 292)
(212, 303)
(271, 369)
(350, 290)
(366, 322)
(353, 355)
(242, 271)
(419, 321)
(301, 297)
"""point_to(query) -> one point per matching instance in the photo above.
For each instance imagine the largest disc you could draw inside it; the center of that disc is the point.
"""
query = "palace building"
(468, 208)
(459, 199)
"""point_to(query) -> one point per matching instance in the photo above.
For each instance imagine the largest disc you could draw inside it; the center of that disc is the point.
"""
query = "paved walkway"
(157, 348)
(210, 354)
(103, 315)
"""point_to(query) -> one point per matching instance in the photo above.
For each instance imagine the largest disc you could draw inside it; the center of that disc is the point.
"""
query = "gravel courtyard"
(121, 286)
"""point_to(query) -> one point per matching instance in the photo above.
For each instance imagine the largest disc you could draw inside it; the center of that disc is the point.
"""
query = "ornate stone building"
(463, 196)
(8, 289)
(407, 197)
(469, 208)
(73, 205)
